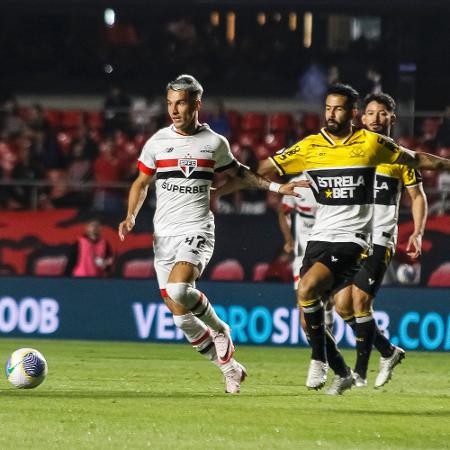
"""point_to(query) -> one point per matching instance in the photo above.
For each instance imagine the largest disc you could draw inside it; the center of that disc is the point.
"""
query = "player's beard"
(334, 127)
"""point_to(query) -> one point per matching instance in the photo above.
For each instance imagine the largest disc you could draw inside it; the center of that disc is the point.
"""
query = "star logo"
(357, 153)
(329, 193)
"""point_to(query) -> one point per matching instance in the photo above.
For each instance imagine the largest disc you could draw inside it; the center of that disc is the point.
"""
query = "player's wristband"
(274, 187)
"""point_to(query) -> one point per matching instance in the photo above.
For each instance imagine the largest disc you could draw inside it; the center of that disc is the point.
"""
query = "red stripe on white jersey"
(147, 170)
(174, 162)
(163, 293)
(201, 339)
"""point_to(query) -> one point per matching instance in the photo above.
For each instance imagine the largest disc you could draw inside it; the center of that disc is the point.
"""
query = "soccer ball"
(26, 368)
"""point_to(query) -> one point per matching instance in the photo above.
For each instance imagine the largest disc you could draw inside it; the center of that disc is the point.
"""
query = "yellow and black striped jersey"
(342, 175)
(389, 182)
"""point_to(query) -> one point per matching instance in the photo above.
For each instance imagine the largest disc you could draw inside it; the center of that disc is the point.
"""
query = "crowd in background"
(86, 159)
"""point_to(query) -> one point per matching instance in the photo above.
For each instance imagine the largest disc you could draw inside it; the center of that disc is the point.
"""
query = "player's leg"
(195, 330)
(366, 285)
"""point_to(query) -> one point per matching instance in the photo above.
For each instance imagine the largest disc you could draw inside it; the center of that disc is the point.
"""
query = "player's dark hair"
(186, 83)
(346, 91)
(383, 99)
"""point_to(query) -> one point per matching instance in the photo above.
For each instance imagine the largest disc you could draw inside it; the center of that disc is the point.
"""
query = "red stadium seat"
(227, 270)
(139, 268)
(53, 116)
(259, 271)
(94, 119)
(50, 266)
(311, 122)
(441, 276)
(280, 122)
(252, 121)
(72, 119)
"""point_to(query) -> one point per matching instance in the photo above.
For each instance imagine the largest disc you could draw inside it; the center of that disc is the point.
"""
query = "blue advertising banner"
(258, 313)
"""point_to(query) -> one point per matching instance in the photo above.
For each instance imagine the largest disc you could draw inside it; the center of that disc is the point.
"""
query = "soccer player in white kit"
(183, 158)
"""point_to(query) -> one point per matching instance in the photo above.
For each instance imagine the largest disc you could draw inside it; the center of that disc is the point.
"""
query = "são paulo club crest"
(187, 166)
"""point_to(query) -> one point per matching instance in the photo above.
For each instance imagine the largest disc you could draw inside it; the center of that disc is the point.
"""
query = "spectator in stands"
(116, 110)
(218, 120)
(107, 169)
(91, 255)
(443, 134)
(79, 170)
(89, 146)
(36, 120)
(10, 121)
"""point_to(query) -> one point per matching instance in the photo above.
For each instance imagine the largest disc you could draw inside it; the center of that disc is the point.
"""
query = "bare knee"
(362, 301)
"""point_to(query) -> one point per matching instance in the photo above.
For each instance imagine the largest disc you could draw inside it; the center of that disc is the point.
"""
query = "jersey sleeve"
(290, 160)
(410, 177)
(386, 150)
(223, 156)
(288, 203)
(147, 160)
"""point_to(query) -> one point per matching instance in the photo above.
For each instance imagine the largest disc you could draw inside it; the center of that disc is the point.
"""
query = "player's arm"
(419, 209)
(136, 197)
(284, 221)
(422, 160)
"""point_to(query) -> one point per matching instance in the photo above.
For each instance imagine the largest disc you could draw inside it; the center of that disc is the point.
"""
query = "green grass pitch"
(133, 395)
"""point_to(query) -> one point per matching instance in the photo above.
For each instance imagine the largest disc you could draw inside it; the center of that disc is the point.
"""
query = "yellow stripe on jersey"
(390, 178)
(362, 148)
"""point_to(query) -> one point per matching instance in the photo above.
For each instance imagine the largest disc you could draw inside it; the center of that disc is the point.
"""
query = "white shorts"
(195, 248)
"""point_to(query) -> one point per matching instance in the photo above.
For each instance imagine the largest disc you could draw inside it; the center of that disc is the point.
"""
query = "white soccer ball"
(26, 368)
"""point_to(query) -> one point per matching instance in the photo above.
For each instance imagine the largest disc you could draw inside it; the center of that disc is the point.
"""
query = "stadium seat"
(252, 121)
(71, 119)
(259, 271)
(311, 122)
(94, 119)
(441, 276)
(50, 266)
(139, 268)
(280, 122)
(53, 116)
(227, 270)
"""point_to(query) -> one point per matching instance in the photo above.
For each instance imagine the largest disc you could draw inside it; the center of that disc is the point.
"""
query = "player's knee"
(344, 310)
(362, 301)
(307, 289)
(178, 292)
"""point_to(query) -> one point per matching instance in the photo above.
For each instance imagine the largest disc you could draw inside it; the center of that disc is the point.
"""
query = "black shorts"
(341, 258)
(372, 271)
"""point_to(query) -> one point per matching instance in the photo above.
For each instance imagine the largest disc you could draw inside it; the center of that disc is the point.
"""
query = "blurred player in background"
(390, 181)
(340, 162)
(183, 157)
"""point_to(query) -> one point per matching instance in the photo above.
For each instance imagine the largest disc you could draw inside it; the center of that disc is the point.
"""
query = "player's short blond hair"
(187, 83)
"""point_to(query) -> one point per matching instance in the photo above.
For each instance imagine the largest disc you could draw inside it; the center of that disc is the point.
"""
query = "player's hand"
(414, 247)
(126, 226)
(289, 246)
(290, 188)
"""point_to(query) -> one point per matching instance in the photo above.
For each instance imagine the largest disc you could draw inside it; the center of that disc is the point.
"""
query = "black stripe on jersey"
(233, 163)
(196, 175)
(326, 137)
(280, 169)
(386, 190)
(414, 177)
(343, 186)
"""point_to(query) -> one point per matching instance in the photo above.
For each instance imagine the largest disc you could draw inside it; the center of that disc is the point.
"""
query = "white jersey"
(389, 183)
(184, 168)
(304, 208)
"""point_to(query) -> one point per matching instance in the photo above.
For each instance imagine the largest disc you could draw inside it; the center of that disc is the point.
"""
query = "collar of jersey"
(329, 139)
(197, 130)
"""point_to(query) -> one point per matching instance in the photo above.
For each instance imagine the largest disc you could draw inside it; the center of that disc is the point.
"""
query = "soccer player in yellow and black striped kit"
(340, 162)
(390, 181)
